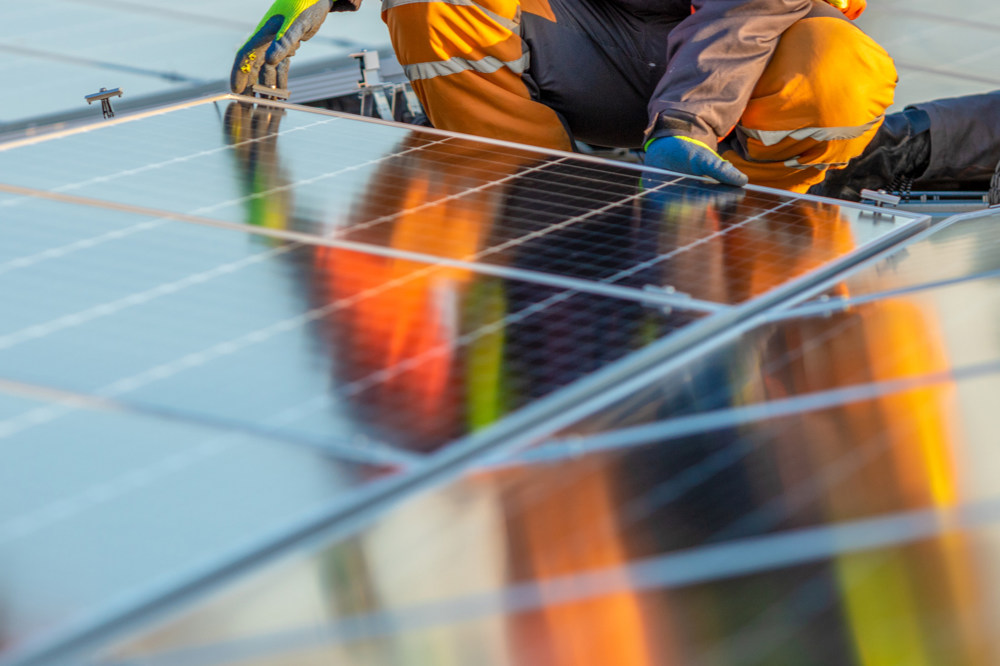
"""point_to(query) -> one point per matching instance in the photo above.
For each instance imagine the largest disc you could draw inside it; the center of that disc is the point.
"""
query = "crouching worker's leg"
(465, 60)
(946, 144)
(818, 104)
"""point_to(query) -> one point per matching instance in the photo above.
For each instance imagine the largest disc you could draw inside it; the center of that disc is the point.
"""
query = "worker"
(771, 91)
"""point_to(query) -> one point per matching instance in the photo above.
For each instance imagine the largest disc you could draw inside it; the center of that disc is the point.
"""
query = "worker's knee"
(429, 32)
(466, 61)
(818, 103)
(829, 74)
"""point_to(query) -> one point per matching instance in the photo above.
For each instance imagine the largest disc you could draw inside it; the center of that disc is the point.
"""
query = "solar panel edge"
(43, 134)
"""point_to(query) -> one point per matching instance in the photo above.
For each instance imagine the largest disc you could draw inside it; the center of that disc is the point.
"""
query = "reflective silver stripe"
(488, 65)
(795, 164)
(770, 138)
(511, 24)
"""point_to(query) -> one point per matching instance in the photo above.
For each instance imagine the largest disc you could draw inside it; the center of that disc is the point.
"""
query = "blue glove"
(689, 156)
(263, 57)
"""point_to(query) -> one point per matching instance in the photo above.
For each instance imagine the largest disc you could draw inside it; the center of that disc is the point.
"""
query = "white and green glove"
(264, 57)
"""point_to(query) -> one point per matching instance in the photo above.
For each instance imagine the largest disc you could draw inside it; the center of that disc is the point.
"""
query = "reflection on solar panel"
(819, 490)
(240, 328)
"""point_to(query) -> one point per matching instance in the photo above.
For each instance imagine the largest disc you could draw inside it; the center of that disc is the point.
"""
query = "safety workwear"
(816, 106)
(897, 155)
(466, 62)
(945, 144)
(263, 58)
(499, 68)
(690, 156)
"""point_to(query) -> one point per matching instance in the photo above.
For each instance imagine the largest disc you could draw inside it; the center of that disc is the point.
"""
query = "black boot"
(994, 193)
(899, 153)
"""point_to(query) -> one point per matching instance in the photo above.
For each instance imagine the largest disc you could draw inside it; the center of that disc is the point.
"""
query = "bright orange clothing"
(798, 124)
(815, 101)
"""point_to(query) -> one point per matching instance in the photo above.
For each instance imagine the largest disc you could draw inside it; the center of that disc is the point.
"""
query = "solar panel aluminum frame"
(513, 433)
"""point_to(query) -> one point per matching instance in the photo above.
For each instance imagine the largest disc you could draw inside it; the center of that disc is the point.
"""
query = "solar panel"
(553, 215)
(793, 537)
(397, 303)
(783, 498)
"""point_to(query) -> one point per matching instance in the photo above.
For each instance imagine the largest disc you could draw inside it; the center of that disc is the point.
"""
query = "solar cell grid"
(177, 313)
(621, 230)
(363, 291)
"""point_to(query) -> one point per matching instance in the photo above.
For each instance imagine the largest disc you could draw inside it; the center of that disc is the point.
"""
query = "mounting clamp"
(104, 97)
(879, 198)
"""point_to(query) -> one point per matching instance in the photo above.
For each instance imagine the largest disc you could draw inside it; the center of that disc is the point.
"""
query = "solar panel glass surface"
(353, 292)
(61, 50)
(793, 537)
(101, 502)
(368, 184)
(963, 250)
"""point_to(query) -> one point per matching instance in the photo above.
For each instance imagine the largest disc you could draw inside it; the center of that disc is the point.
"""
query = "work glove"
(264, 57)
(689, 156)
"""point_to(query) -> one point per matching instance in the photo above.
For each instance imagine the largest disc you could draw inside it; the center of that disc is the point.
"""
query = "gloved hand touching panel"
(264, 57)
(690, 156)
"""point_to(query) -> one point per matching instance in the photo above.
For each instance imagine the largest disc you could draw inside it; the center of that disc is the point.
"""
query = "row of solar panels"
(475, 402)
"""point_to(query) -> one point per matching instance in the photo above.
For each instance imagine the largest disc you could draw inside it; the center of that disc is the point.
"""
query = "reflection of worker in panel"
(420, 348)
(392, 324)
(436, 340)
(440, 351)
(849, 462)
(788, 91)
(916, 604)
